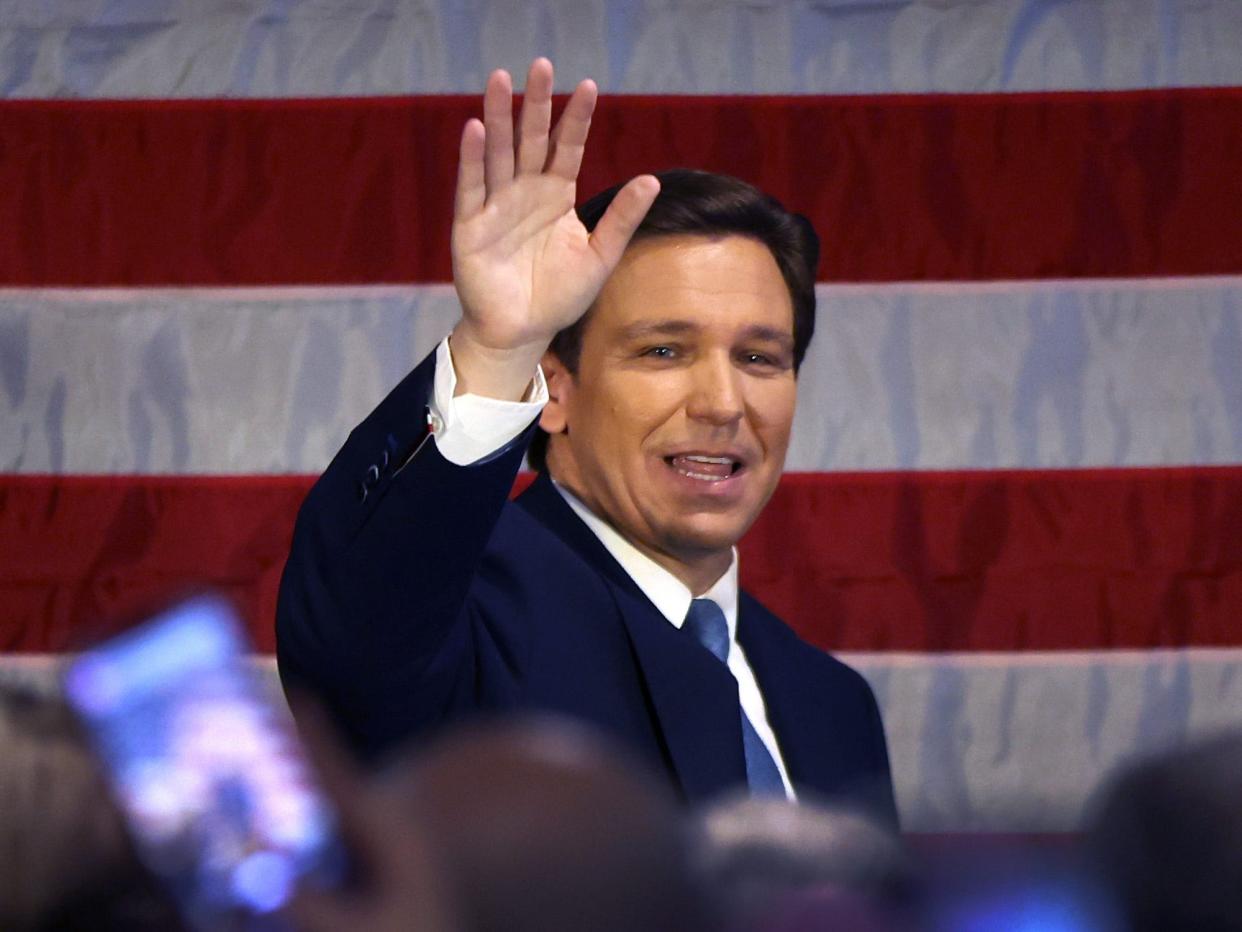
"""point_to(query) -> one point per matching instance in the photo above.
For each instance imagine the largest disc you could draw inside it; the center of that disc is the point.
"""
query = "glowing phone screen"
(207, 769)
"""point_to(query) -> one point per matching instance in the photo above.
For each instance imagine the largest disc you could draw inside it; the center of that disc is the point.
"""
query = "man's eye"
(769, 361)
(660, 352)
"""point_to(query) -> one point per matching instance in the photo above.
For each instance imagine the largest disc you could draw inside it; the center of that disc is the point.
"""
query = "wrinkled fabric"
(1049, 375)
(361, 191)
(155, 438)
(210, 48)
(893, 561)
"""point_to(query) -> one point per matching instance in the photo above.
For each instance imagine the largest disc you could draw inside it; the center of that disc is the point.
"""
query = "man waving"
(645, 348)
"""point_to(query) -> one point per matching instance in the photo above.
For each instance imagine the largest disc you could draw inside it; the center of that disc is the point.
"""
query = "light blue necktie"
(706, 622)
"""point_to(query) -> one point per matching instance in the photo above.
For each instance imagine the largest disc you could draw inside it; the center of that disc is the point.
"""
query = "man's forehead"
(697, 277)
(709, 248)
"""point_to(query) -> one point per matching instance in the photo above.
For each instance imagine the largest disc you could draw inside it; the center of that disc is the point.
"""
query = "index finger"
(570, 135)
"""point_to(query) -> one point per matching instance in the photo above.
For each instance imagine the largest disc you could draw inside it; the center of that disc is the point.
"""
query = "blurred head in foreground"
(65, 859)
(772, 864)
(1166, 836)
(540, 825)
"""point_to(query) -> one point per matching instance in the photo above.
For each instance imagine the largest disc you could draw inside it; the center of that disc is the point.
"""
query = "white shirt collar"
(667, 593)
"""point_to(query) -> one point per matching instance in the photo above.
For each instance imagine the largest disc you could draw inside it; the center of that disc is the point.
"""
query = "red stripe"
(879, 561)
(359, 190)
(82, 555)
(1021, 560)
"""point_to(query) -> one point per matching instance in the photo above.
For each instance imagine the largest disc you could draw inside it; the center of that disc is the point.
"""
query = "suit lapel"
(693, 695)
(548, 507)
(695, 700)
(797, 708)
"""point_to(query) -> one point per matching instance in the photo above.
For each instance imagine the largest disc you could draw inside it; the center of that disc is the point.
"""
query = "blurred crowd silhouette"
(540, 825)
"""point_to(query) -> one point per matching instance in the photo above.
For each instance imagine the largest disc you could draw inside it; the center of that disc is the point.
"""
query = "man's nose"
(716, 392)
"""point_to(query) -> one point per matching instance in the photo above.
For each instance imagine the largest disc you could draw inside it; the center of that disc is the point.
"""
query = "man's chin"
(695, 540)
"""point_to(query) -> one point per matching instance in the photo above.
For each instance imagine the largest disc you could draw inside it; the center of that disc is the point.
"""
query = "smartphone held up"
(206, 767)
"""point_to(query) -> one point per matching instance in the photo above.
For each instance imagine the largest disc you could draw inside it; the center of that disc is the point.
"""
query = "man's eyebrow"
(645, 330)
(776, 335)
(657, 328)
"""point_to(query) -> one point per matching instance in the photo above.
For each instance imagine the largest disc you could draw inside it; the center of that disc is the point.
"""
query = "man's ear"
(555, 419)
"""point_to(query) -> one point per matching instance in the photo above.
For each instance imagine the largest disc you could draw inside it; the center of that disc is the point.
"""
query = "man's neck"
(697, 576)
(697, 572)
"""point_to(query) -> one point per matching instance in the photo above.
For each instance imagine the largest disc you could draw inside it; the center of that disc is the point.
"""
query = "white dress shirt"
(470, 427)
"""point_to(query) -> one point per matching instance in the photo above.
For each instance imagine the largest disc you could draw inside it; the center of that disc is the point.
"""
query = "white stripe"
(1018, 742)
(991, 659)
(203, 381)
(1052, 374)
(1001, 742)
(237, 48)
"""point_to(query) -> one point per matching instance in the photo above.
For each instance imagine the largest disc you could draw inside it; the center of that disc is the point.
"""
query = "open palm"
(523, 264)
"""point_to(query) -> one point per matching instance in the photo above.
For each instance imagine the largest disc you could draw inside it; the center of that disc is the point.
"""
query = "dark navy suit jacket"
(417, 595)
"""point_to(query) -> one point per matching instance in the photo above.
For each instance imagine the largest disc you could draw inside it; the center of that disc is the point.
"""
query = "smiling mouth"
(704, 468)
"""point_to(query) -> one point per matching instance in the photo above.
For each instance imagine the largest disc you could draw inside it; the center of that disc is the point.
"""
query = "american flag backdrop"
(1014, 496)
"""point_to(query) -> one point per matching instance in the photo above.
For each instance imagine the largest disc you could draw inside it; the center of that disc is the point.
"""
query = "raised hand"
(523, 264)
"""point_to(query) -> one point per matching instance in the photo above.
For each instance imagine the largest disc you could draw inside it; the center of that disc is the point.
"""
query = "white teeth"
(699, 475)
(703, 468)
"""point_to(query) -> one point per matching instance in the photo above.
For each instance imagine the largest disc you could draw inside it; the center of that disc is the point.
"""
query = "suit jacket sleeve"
(371, 616)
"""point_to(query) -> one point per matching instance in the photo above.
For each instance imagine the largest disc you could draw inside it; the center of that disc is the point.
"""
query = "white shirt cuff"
(471, 427)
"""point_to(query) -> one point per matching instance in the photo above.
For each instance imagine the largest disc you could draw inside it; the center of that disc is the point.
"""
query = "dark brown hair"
(706, 204)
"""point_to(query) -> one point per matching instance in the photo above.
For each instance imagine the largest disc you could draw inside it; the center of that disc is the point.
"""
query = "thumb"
(627, 210)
